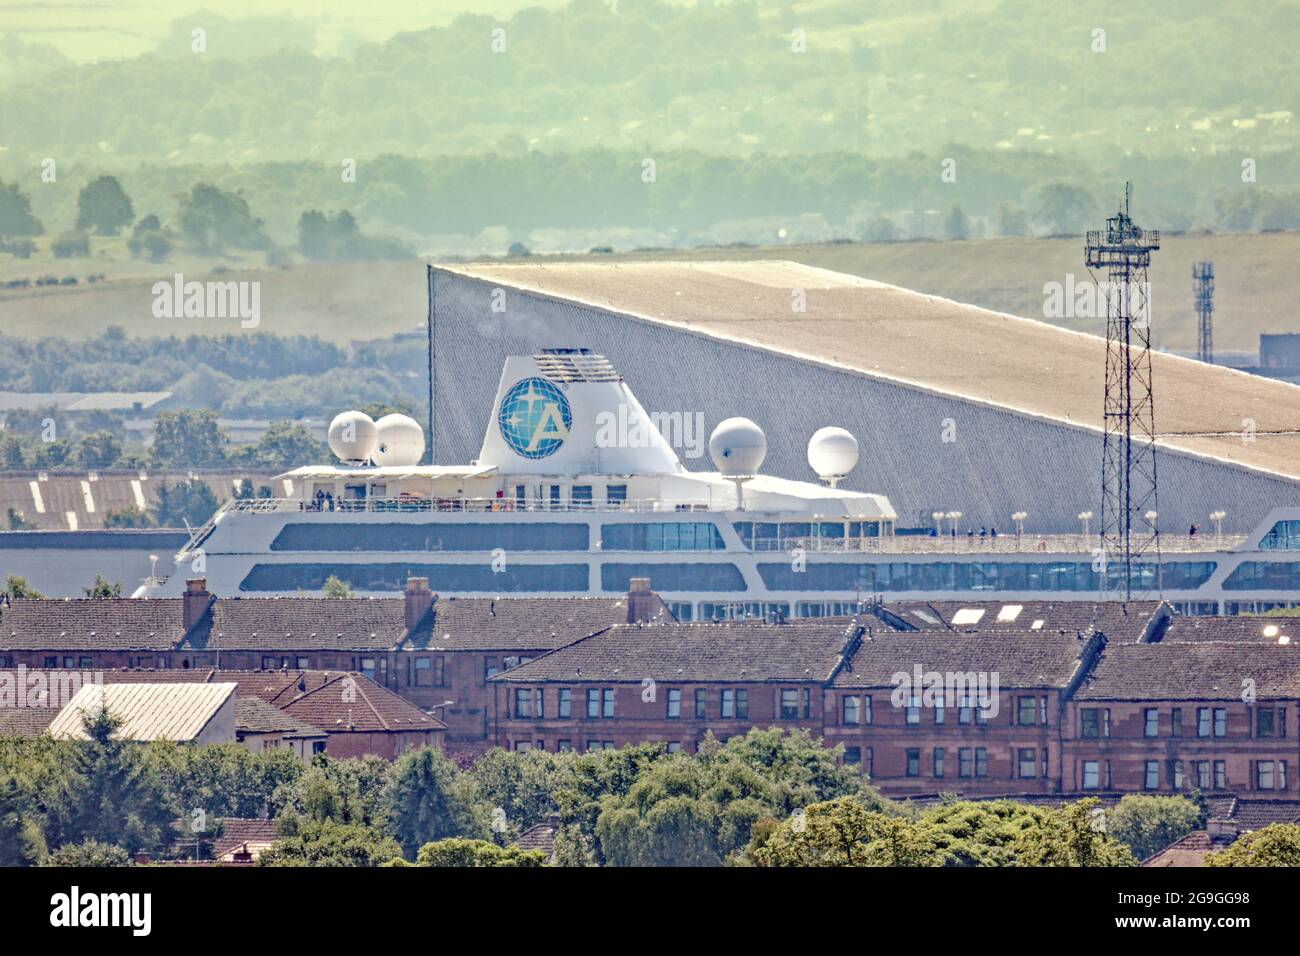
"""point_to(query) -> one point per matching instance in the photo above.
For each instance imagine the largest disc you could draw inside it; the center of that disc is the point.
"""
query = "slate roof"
(237, 832)
(1258, 628)
(285, 624)
(699, 653)
(255, 716)
(339, 702)
(1193, 671)
(26, 721)
(86, 623)
(1118, 621)
(1018, 659)
(1189, 850)
(540, 836)
(1252, 814)
(522, 624)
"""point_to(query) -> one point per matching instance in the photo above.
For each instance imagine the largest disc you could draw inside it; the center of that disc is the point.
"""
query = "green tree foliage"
(188, 437)
(99, 449)
(843, 832)
(107, 791)
(185, 501)
(213, 220)
(335, 587)
(89, 853)
(101, 589)
(1147, 824)
(16, 217)
(224, 780)
(104, 206)
(345, 791)
(129, 517)
(73, 245)
(456, 851)
(325, 237)
(1070, 836)
(21, 843)
(427, 800)
(17, 587)
(1277, 844)
(330, 843)
(983, 833)
(286, 445)
(1064, 209)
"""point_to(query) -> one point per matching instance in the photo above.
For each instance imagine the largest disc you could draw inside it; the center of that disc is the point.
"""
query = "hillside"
(1257, 287)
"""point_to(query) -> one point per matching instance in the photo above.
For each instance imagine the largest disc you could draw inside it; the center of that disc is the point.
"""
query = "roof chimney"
(643, 605)
(418, 601)
(195, 601)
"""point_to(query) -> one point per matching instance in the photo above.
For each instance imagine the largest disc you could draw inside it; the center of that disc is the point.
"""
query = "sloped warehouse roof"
(892, 365)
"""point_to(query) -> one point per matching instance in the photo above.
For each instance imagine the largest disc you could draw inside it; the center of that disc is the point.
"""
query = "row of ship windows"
(724, 577)
(560, 536)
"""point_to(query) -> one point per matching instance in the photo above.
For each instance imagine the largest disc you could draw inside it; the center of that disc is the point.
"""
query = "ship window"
(581, 496)
(661, 536)
(1283, 536)
(392, 537)
(472, 578)
(674, 577)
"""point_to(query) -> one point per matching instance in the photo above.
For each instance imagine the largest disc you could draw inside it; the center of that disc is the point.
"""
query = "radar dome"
(353, 436)
(832, 453)
(738, 447)
(401, 441)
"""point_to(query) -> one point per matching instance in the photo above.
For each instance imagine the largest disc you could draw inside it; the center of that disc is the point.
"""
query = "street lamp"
(1019, 518)
(1217, 517)
(1151, 520)
(938, 523)
(1085, 517)
(954, 517)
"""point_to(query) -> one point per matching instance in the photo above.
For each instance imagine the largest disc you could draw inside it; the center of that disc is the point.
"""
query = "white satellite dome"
(832, 453)
(353, 436)
(738, 447)
(401, 441)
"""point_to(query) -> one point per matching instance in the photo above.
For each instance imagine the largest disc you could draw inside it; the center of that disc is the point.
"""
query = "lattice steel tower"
(1129, 558)
(1203, 290)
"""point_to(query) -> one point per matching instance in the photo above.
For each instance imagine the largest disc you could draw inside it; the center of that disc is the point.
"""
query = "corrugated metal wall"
(999, 462)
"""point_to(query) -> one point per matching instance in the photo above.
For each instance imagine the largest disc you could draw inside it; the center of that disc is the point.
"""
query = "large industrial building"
(957, 408)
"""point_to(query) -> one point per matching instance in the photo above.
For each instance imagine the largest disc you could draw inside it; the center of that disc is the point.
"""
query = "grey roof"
(695, 653)
(1018, 660)
(255, 716)
(1194, 671)
(91, 624)
(524, 624)
(306, 623)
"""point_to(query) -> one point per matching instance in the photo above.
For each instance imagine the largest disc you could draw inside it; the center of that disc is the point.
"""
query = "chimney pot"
(194, 602)
(418, 601)
(642, 603)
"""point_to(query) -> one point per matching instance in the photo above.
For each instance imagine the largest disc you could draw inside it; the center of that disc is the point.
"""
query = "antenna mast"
(1203, 290)
(1129, 537)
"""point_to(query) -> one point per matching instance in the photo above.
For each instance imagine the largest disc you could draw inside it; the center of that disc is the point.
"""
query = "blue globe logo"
(535, 418)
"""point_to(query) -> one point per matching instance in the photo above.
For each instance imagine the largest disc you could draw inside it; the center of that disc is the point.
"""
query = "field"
(1256, 287)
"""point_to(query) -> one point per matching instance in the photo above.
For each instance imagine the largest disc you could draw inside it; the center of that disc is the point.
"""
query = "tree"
(286, 445)
(104, 206)
(16, 217)
(456, 851)
(107, 791)
(1147, 824)
(955, 223)
(330, 843)
(188, 437)
(15, 520)
(75, 245)
(101, 589)
(1064, 209)
(843, 832)
(224, 780)
(335, 587)
(129, 517)
(428, 800)
(11, 450)
(185, 502)
(345, 791)
(1277, 844)
(1070, 836)
(99, 449)
(212, 219)
(981, 833)
(17, 587)
(20, 838)
(89, 853)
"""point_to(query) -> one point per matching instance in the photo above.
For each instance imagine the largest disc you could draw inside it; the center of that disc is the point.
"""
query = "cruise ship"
(576, 491)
